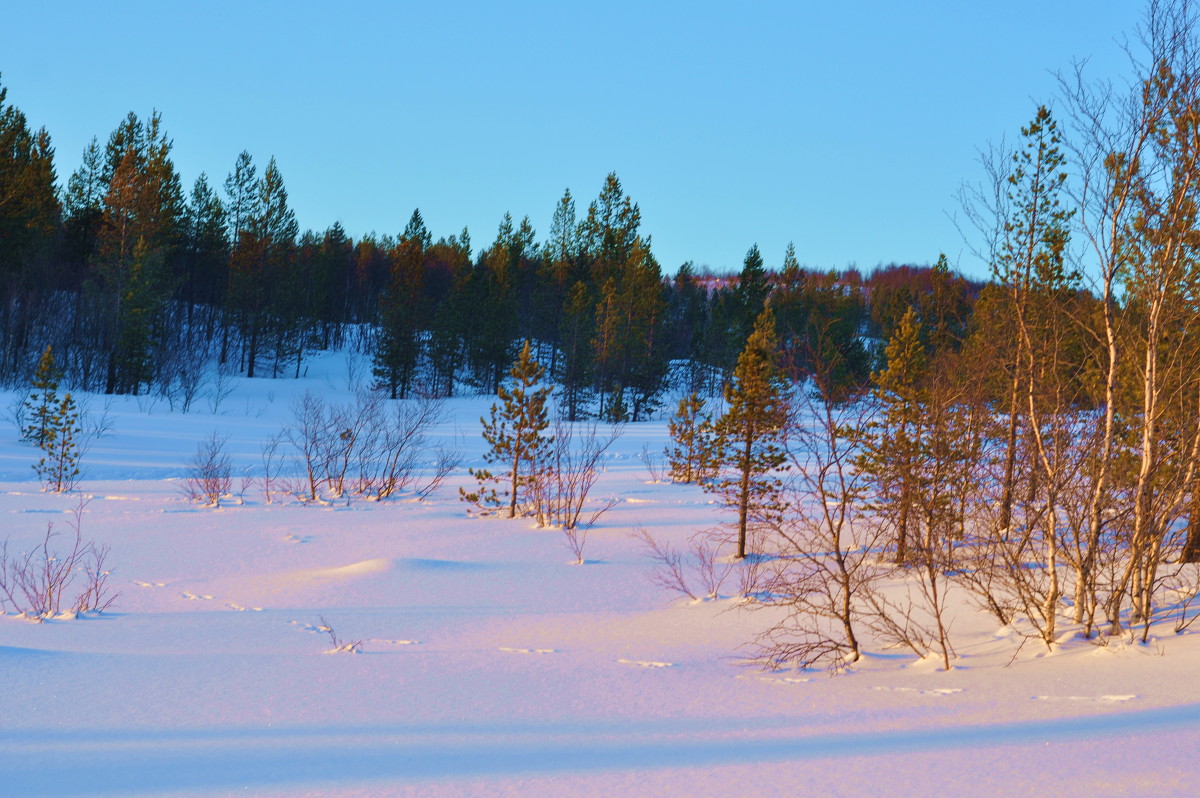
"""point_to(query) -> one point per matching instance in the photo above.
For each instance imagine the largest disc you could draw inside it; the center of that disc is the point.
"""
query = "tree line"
(141, 286)
(1045, 459)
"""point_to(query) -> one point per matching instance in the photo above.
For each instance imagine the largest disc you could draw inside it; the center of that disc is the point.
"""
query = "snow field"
(490, 664)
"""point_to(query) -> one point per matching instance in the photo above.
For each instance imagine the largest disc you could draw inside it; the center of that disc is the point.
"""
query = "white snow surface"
(490, 664)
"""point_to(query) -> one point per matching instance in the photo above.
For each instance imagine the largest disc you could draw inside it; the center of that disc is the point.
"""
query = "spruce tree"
(575, 374)
(893, 446)
(58, 468)
(750, 293)
(41, 403)
(516, 436)
(750, 432)
(262, 259)
(692, 433)
(29, 206)
(399, 347)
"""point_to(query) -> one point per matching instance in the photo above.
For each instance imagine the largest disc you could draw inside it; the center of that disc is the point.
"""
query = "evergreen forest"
(141, 285)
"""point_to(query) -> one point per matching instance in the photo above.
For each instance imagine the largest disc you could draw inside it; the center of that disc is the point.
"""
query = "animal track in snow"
(646, 663)
(194, 597)
(394, 642)
(140, 583)
(776, 679)
(233, 606)
(1111, 699)
(528, 650)
(938, 691)
(308, 627)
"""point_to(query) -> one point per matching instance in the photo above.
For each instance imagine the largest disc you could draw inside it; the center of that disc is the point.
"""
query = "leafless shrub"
(362, 450)
(306, 436)
(826, 562)
(189, 381)
(245, 483)
(391, 459)
(16, 409)
(270, 464)
(561, 491)
(222, 389)
(576, 540)
(337, 645)
(1185, 590)
(977, 572)
(701, 577)
(668, 572)
(209, 471)
(653, 461)
(339, 438)
(96, 595)
(446, 462)
(711, 569)
(38, 582)
(355, 372)
(921, 622)
(95, 425)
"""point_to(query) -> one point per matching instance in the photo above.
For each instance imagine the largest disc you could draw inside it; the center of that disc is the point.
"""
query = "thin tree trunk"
(744, 496)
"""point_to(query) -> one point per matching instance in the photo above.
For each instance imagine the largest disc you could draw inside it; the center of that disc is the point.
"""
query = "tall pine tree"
(750, 432)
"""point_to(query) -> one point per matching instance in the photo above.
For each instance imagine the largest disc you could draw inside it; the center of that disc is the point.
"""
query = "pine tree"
(396, 356)
(692, 433)
(42, 401)
(262, 257)
(516, 435)
(751, 430)
(493, 295)
(575, 374)
(140, 300)
(750, 293)
(58, 468)
(893, 446)
(241, 195)
(29, 206)
(206, 259)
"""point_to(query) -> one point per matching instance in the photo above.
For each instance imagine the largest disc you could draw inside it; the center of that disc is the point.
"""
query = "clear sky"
(845, 127)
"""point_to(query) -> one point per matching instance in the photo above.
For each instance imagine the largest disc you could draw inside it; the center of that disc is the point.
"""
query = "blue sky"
(845, 129)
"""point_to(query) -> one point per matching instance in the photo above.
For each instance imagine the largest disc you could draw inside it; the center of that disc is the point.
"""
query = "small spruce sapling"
(691, 457)
(58, 468)
(42, 401)
(516, 438)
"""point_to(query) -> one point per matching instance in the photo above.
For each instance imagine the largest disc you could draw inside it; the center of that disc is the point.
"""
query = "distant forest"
(142, 287)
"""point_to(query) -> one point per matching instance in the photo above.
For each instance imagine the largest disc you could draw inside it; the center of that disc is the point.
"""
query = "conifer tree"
(262, 259)
(750, 293)
(892, 450)
(399, 347)
(516, 435)
(131, 358)
(206, 259)
(750, 432)
(29, 206)
(575, 374)
(42, 401)
(241, 195)
(58, 468)
(692, 433)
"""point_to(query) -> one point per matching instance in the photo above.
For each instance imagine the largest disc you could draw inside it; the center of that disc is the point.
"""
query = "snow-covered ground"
(492, 665)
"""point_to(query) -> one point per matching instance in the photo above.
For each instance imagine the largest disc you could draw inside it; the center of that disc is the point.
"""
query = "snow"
(490, 664)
